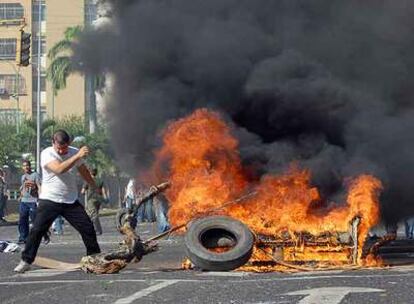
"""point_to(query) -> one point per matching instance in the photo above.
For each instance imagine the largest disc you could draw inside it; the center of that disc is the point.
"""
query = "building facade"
(15, 81)
(18, 85)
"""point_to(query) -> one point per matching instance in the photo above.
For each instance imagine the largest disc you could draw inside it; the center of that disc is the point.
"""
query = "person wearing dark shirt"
(3, 196)
(94, 200)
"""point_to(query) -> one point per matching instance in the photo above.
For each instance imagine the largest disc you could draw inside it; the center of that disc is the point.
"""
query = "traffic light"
(23, 48)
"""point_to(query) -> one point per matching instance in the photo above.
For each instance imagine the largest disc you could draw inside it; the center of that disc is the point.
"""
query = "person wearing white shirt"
(59, 196)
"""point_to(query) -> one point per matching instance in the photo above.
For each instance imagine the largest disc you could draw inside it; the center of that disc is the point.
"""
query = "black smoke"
(327, 83)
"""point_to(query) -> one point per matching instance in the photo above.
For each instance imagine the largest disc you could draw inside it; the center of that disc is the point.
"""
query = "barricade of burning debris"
(293, 252)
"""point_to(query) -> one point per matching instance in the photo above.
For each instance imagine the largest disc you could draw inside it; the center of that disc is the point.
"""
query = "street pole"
(17, 92)
(38, 117)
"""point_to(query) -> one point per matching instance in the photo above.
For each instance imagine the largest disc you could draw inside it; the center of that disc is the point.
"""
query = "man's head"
(61, 141)
(27, 168)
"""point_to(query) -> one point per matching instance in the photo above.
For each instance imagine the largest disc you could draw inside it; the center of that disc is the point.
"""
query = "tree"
(61, 67)
(61, 63)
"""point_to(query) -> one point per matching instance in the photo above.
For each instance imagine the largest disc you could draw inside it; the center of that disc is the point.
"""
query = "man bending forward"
(59, 196)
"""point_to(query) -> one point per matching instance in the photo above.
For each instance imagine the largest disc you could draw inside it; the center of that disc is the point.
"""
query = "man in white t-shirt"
(59, 196)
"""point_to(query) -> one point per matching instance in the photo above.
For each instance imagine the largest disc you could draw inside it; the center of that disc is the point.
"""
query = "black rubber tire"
(218, 231)
(120, 219)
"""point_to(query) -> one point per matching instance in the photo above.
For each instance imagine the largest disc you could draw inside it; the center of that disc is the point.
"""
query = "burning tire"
(218, 243)
(120, 219)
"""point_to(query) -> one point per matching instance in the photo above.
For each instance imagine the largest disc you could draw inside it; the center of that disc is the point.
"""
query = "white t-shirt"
(130, 189)
(59, 188)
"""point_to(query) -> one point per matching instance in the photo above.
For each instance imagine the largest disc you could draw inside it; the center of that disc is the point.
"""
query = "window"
(35, 11)
(11, 11)
(9, 84)
(90, 12)
(7, 48)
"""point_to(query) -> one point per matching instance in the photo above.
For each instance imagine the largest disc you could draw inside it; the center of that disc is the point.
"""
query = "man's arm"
(38, 183)
(86, 175)
(59, 167)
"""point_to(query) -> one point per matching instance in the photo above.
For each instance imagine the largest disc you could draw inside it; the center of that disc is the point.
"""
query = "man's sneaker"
(22, 267)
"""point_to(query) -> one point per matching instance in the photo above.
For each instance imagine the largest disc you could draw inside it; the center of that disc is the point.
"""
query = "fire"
(205, 171)
(205, 167)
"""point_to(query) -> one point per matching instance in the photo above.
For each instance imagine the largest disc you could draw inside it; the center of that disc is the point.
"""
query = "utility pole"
(38, 117)
(17, 92)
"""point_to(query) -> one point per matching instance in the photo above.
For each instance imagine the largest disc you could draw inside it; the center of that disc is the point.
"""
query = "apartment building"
(15, 81)
(18, 85)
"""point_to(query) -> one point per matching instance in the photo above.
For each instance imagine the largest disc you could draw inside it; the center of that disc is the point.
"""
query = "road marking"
(278, 279)
(95, 281)
(145, 292)
(39, 273)
(405, 268)
(329, 295)
(321, 277)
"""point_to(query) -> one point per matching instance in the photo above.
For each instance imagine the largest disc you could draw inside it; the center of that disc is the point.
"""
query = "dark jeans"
(47, 212)
(26, 210)
(3, 200)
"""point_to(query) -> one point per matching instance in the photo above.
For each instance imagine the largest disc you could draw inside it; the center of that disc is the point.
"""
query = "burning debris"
(206, 170)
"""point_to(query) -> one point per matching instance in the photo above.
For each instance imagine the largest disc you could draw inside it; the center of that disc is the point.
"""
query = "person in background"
(3, 196)
(145, 211)
(59, 196)
(57, 226)
(94, 200)
(29, 193)
(409, 227)
(161, 213)
(130, 193)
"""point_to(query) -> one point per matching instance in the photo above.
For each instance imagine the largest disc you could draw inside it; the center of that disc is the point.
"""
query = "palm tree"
(46, 127)
(61, 66)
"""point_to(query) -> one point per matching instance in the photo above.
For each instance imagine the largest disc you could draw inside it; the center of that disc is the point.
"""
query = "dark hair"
(61, 137)
(94, 171)
(26, 161)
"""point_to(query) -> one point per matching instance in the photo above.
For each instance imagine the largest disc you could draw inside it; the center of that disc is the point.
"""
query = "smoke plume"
(326, 83)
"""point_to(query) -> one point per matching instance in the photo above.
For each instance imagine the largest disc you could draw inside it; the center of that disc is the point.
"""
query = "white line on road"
(319, 277)
(93, 281)
(322, 277)
(329, 295)
(41, 273)
(145, 292)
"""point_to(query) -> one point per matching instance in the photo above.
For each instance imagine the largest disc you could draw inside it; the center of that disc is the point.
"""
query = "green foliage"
(60, 61)
(14, 147)
(10, 146)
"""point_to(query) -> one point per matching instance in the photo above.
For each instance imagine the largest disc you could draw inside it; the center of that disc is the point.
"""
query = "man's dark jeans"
(47, 212)
(26, 210)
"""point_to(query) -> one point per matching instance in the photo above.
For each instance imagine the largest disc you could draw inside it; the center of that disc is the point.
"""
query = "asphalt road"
(159, 279)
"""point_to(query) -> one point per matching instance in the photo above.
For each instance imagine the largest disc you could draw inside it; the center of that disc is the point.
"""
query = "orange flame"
(205, 170)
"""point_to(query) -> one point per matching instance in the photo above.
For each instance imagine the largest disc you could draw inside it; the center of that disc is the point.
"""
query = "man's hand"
(29, 183)
(83, 152)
